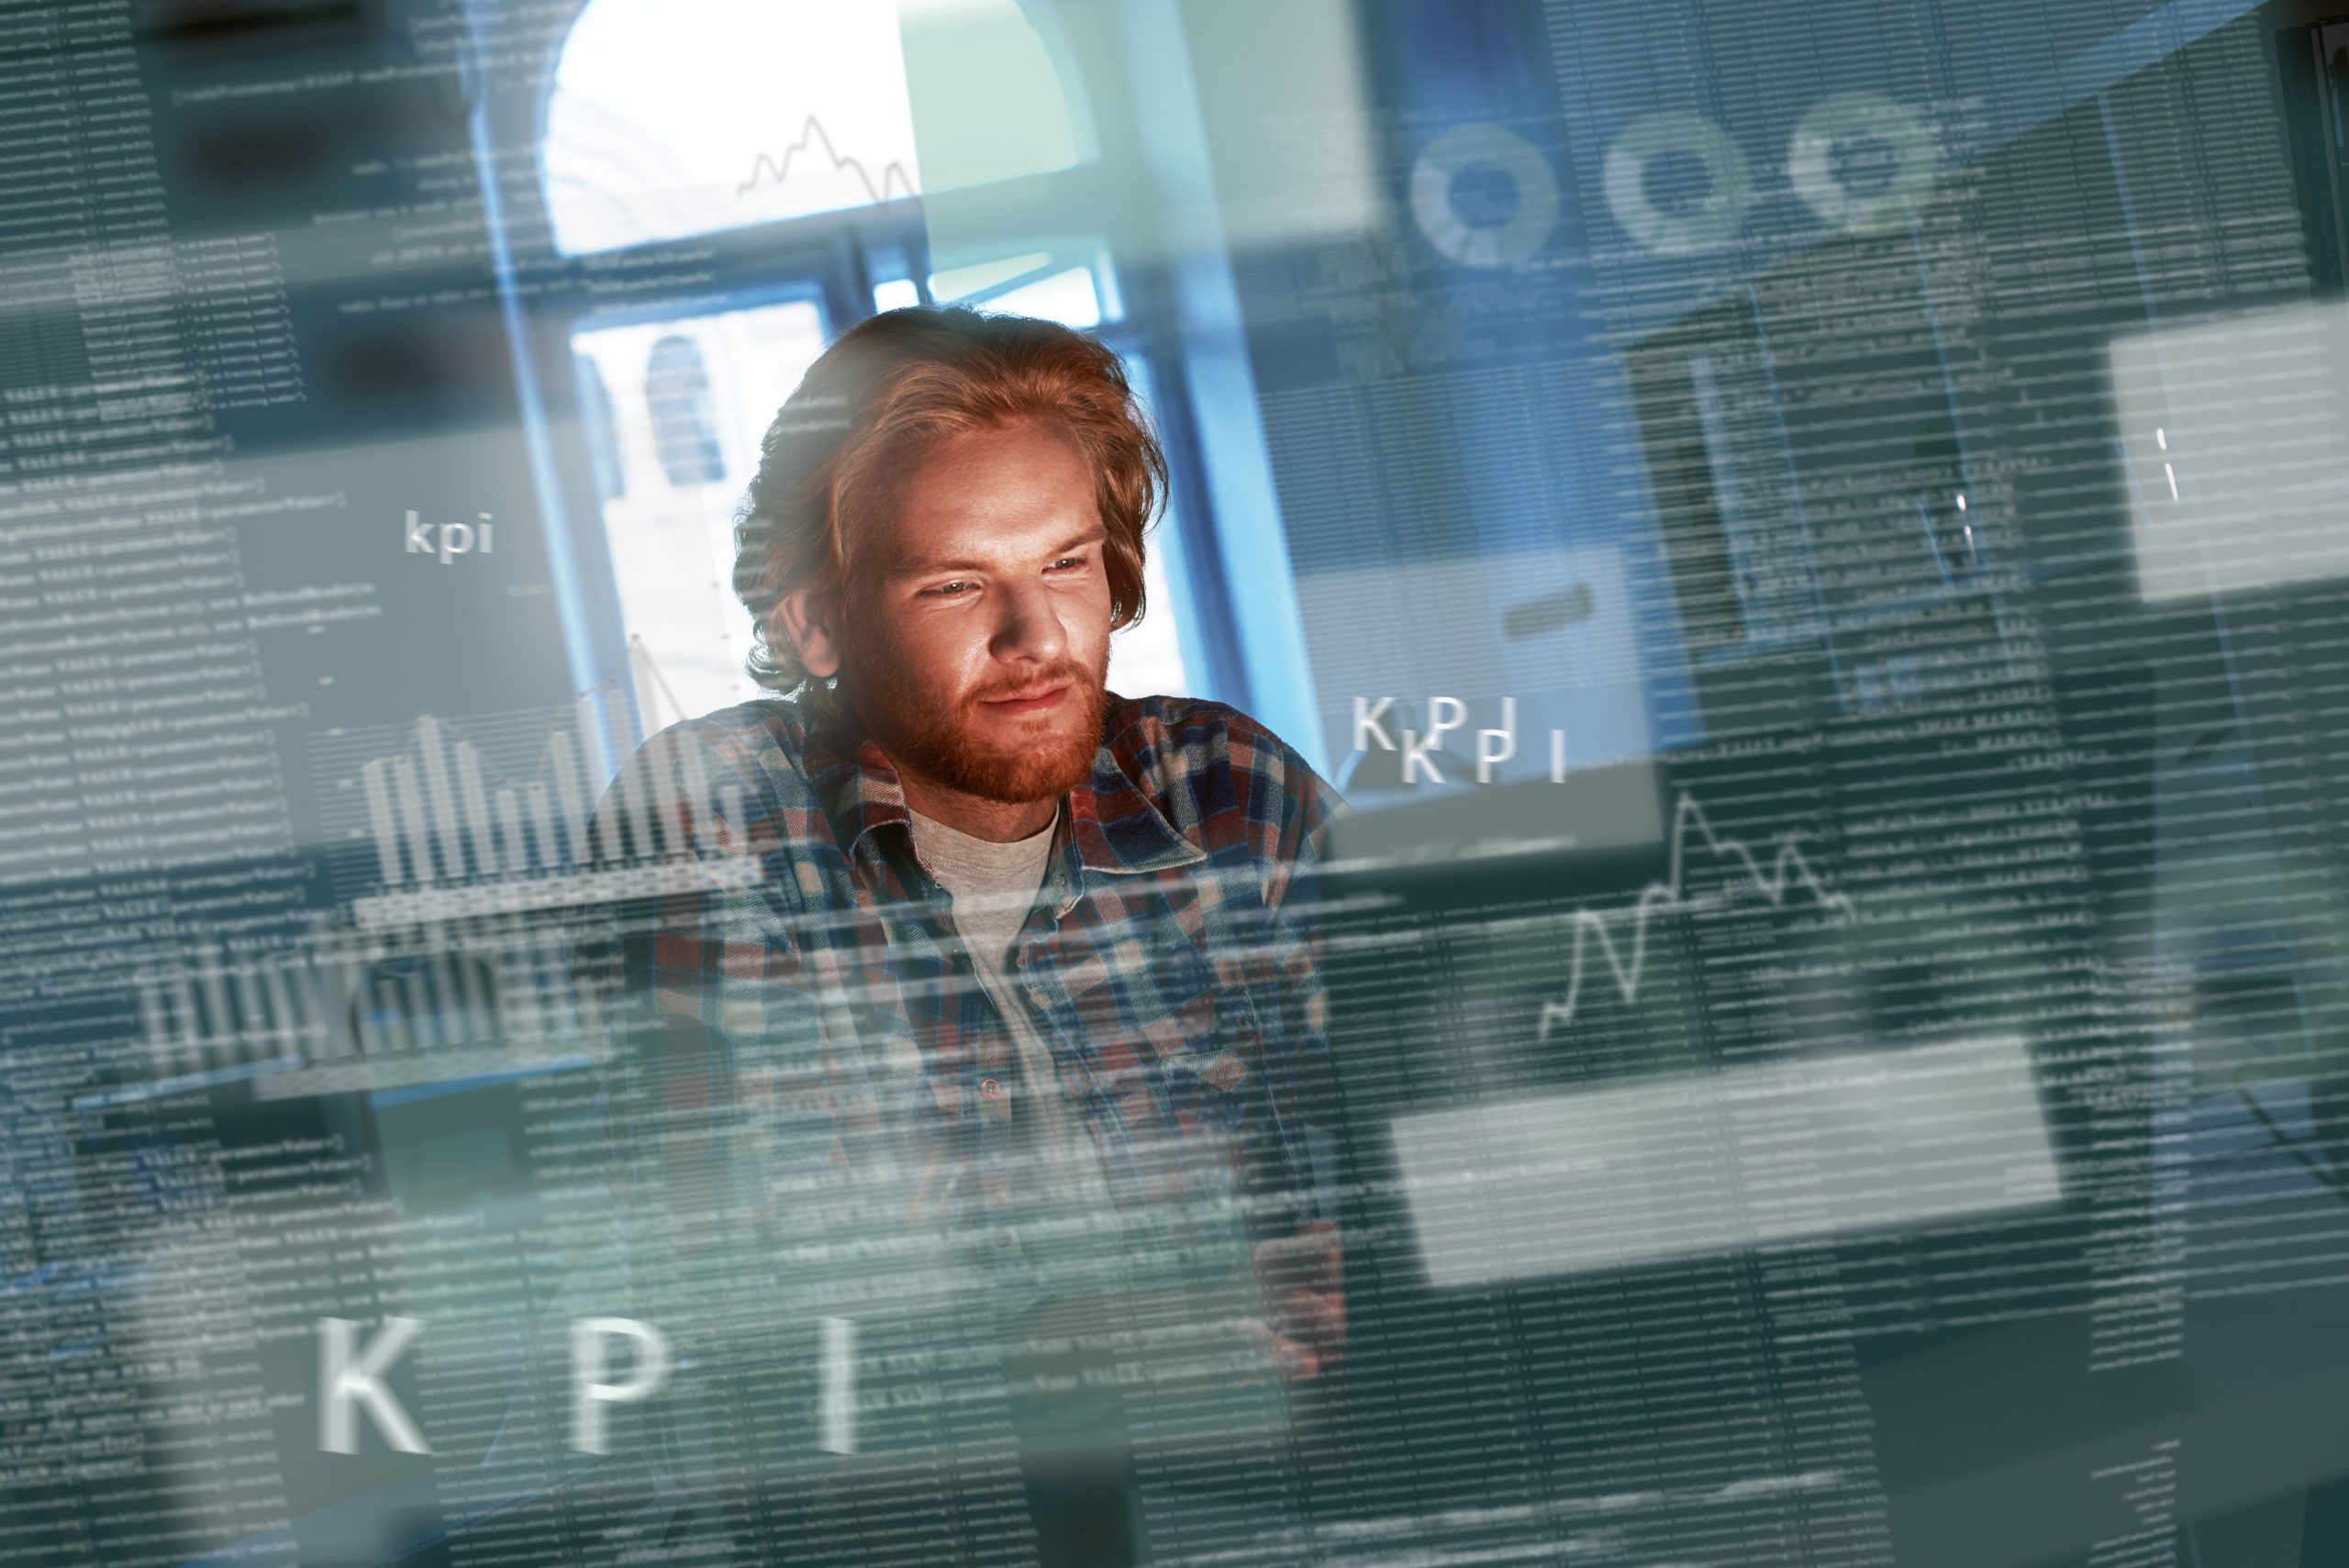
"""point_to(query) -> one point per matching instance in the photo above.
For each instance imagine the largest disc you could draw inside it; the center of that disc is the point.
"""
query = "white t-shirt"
(1104, 1272)
(995, 887)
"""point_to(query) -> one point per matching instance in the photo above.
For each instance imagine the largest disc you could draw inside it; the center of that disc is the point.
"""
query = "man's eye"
(953, 590)
(1066, 564)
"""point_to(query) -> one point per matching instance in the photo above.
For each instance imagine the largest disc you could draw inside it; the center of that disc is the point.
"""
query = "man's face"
(975, 635)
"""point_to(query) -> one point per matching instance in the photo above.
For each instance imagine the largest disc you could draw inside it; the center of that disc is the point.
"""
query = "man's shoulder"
(1189, 730)
(755, 750)
(763, 733)
(1210, 768)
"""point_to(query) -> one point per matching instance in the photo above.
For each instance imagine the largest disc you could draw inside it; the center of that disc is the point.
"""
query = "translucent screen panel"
(654, 134)
(674, 119)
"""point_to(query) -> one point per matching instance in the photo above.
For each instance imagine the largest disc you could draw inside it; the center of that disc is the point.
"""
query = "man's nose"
(1029, 627)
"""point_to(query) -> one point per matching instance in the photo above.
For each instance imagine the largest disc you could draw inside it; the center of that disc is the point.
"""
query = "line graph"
(1669, 896)
(813, 135)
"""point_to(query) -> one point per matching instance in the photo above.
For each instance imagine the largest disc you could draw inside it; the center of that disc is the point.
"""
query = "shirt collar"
(1113, 825)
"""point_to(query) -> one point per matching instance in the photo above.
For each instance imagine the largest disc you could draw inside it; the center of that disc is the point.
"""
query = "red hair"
(875, 399)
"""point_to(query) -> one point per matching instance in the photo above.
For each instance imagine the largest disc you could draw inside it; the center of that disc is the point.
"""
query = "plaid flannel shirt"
(1172, 966)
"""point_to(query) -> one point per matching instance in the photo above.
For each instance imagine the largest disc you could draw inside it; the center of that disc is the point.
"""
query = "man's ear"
(808, 621)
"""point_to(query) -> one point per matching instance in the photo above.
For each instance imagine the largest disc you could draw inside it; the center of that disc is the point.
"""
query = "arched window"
(676, 394)
(693, 394)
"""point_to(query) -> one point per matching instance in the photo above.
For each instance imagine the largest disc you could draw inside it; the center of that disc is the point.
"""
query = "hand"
(1302, 1279)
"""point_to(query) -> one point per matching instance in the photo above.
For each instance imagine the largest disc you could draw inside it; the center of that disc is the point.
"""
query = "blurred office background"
(1901, 451)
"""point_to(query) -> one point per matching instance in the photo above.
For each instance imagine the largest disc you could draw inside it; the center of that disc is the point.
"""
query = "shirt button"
(989, 1088)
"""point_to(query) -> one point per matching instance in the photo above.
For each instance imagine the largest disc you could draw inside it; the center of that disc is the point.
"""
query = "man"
(1028, 968)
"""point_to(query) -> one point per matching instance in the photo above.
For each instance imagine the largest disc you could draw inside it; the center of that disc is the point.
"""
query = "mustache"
(1067, 672)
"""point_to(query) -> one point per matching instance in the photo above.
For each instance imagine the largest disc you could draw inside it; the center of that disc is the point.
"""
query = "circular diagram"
(1531, 214)
(1810, 158)
(1705, 227)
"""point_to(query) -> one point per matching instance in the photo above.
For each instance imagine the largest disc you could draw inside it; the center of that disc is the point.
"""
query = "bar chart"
(488, 817)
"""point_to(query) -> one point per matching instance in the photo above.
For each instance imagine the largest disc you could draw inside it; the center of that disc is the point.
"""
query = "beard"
(1014, 760)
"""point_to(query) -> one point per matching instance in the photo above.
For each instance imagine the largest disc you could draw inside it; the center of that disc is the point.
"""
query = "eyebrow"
(923, 568)
(1096, 534)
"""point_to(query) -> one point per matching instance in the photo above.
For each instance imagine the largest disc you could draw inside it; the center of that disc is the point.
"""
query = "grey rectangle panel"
(1702, 1163)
